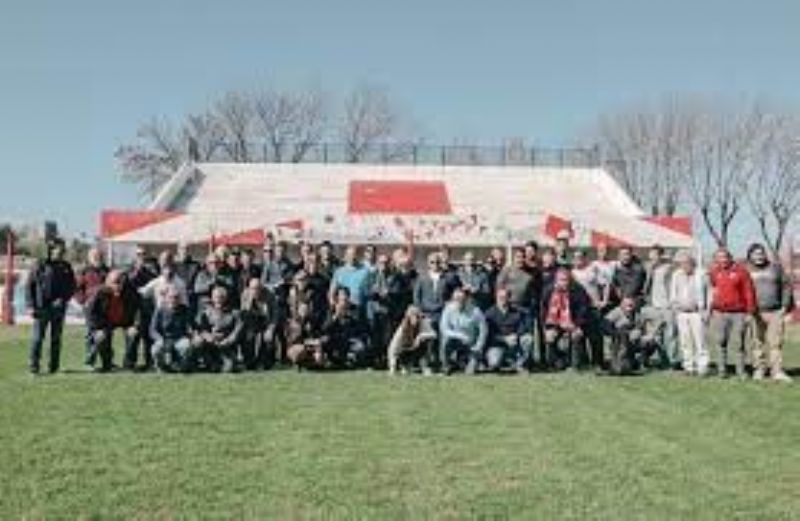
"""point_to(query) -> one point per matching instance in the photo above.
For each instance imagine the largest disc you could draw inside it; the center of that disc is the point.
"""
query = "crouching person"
(408, 344)
(631, 343)
(510, 340)
(463, 330)
(565, 315)
(115, 305)
(258, 307)
(217, 334)
(343, 334)
(170, 329)
(304, 339)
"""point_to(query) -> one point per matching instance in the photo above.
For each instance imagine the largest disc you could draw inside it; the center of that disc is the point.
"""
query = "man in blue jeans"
(49, 288)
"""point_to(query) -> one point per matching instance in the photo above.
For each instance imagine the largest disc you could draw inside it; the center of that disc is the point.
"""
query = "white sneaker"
(780, 376)
(758, 375)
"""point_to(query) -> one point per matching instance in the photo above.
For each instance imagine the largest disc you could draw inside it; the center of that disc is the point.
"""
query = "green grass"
(282, 445)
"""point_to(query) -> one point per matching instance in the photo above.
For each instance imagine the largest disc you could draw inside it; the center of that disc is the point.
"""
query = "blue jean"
(54, 319)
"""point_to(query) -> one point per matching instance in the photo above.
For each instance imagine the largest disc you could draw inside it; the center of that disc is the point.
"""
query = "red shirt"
(116, 310)
(733, 289)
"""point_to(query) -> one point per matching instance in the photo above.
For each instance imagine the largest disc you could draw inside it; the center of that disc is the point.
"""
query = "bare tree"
(292, 122)
(773, 193)
(646, 149)
(150, 161)
(722, 163)
(207, 135)
(235, 115)
(370, 118)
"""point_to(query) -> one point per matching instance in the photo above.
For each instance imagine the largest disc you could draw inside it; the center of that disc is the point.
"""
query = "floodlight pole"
(8, 296)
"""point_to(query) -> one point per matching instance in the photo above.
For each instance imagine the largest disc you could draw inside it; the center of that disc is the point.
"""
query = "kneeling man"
(510, 338)
(115, 305)
(218, 332)
(170, 330)
(463, 330)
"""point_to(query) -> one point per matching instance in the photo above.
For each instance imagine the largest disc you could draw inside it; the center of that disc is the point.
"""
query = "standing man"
(140, 274)
(689, 296)
(187, 269)
(355, 278)
(429, 291)
(774, 303)
(629, 278)
(48, 290)
(659, 276)
(586, 275)
(733, 302)
(563, 259)
(89, 280)
(474, 279)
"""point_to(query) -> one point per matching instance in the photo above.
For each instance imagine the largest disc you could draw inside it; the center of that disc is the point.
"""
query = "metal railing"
(405, 154)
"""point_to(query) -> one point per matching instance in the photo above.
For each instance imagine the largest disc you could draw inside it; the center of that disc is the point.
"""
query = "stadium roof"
(391, 204)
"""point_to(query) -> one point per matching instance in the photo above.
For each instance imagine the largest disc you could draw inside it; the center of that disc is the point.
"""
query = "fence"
(402, 154)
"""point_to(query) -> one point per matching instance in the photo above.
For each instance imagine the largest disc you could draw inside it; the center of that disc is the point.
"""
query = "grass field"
(282, 445)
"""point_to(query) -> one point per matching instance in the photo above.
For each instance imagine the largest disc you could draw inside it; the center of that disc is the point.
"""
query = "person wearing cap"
(171, 331)
(90, 278)
(774, 305)
(690, 298)
(114, 305)
(509, 340)
(463, 334)
(565, 313)
(48, 290)
(217, 333)
(258, 321)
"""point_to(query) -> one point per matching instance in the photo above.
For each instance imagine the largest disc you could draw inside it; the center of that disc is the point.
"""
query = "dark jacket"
(513, 321)
(630, 280)
(401, 292)
(187, 270)
(225, 325)
(48, 282)
(478, 280)
(429, 300)
(98, 307)
(170, 324)
(338, 331)
(580, 305)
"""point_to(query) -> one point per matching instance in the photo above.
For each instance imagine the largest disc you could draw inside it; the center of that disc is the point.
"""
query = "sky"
(77, 78)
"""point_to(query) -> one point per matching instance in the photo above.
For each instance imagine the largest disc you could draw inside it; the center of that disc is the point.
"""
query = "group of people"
(545, 309)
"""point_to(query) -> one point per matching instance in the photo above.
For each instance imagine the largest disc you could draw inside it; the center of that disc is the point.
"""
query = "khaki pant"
(691, 338)
(768, 334)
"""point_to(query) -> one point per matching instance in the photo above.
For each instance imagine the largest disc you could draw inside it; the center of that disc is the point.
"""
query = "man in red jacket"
(733, 302)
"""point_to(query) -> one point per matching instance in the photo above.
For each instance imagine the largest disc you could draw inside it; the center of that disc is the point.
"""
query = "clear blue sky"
(77, 77)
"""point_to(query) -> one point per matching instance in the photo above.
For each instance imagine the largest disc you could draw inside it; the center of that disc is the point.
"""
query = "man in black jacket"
(630, 277)
(115, 305)
(49, 288)
(141, 272)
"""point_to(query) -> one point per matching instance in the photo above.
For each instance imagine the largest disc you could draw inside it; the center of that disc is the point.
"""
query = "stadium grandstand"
(424, 205)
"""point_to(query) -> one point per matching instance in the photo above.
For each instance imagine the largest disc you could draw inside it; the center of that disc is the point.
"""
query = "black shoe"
(34, 371)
